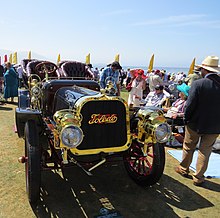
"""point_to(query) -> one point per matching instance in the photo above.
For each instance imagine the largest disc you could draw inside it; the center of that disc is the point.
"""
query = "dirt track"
(74, 194)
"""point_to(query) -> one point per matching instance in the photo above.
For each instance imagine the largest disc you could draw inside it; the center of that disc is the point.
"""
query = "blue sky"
(175, 31)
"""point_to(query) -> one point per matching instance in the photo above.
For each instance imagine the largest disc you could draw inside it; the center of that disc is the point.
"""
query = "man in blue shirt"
(111, 71)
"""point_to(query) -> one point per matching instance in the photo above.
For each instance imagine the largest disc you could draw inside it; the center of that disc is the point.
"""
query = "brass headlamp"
(68, 129)
(152, 126)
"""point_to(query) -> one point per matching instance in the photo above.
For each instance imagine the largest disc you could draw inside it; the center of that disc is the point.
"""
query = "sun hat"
(210, 63)
(184, 89)
(137, 72)
(157, 71)
(140, 71)
(116, 65)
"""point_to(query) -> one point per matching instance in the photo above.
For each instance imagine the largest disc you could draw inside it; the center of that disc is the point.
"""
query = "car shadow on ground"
(74, 194)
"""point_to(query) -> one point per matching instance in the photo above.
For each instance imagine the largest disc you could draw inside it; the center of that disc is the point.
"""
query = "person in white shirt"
(138, 84)
(20, 76)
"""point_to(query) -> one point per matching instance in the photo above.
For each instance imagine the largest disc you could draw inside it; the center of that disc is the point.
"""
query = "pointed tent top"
(5, 58)
(10, 58)
(58, 59)
(192, 66)
(151, 64)
(117, 57)
(88, 59)
(29, 55)
(15, 58)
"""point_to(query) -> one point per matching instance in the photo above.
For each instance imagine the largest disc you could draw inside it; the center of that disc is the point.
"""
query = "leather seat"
(76, 70)
(24, 64)
(61, 63)
(59, 70)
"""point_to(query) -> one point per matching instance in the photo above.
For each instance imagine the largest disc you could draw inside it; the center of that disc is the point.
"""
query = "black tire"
(145, 170)
(33, 163)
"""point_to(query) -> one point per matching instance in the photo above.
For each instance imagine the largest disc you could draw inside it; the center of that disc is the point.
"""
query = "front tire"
(32, 165)
(147, 169)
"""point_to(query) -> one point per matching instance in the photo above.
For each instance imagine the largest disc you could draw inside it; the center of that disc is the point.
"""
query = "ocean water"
(168, 69)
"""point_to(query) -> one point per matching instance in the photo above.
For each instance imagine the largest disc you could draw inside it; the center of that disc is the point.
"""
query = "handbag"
(129, 87)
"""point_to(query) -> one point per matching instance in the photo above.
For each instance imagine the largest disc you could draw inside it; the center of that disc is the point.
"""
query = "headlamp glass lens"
(162, 133)
(71, 136)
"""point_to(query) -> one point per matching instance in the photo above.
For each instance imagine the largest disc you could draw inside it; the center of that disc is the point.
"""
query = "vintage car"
(66, 119)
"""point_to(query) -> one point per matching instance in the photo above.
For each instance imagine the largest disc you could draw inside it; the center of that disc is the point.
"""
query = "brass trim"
(78, 107)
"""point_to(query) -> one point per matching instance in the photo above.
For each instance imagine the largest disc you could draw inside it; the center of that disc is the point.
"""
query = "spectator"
(20, 76)
(158, 97)
(202, 120)
(122, 77)
(1, 78)
(111, 71)
(10, 83)
(136, 93)
(179, 77)
(154, 79)
(192, 77)
(128, 80)
(96, 74)
(177, 108)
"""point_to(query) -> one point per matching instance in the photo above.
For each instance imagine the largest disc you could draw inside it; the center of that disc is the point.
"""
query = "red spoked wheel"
(145, 168)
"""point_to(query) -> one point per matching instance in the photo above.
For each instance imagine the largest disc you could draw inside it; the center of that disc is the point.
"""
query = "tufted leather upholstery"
(59, 70)
(76, 69)
(24, 64)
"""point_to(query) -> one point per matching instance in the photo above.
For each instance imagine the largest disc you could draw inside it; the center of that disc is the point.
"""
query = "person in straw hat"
(192, 77)
(202, 119)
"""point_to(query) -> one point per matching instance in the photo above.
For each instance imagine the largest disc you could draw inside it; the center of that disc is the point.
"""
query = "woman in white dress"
(138, 86)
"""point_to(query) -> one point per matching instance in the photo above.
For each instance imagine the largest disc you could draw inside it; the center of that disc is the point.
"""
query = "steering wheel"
(45, 67)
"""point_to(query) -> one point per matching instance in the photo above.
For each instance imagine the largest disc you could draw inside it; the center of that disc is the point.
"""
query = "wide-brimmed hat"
(140, 71)
(184, 89)
(137, 72)
(210, 63)
(116, 65)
